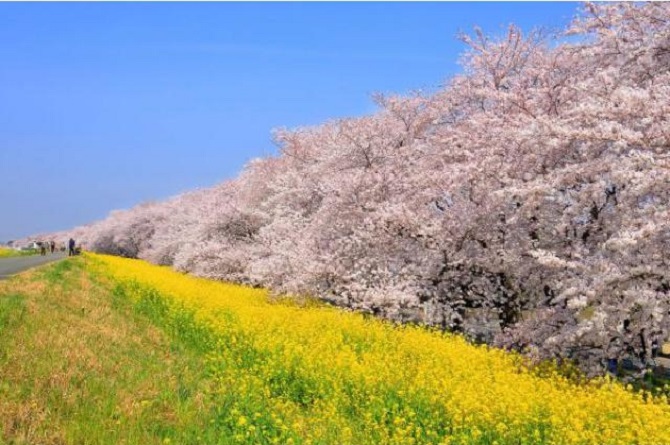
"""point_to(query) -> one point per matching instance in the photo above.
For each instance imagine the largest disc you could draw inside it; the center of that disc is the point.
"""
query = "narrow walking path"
(14, 265)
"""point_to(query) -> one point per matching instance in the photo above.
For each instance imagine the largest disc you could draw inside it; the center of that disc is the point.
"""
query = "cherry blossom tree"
(523, 204)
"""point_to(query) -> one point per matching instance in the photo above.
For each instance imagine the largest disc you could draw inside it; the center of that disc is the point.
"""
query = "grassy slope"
(86, 360)
(80, 366)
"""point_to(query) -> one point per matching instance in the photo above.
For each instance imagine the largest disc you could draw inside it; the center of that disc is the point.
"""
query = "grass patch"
(80, 364)
(12, 310)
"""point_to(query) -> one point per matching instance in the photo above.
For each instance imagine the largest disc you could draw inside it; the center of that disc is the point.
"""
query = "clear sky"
(106, 105)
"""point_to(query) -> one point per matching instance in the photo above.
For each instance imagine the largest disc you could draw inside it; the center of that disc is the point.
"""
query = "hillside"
(108, 350)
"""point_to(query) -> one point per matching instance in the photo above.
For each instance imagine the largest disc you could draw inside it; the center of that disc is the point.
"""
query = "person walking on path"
(70, 247)
(43, 247)
(52, 245)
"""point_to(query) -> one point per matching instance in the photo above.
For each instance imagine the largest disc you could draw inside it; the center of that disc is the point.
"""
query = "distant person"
(43, 247)
(52, 246)
(70, 247)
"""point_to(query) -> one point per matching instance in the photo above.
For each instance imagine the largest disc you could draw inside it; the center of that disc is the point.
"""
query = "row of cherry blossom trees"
(524, 204)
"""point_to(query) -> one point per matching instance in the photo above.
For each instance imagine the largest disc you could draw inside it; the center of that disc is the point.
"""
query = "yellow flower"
(331, 376)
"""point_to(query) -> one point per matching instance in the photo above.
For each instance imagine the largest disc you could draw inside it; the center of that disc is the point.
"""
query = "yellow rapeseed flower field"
(310, 374)
(6, 253)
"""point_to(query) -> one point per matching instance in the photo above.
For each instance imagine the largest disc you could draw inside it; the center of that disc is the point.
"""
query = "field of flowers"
(305, 373)
(4, 252)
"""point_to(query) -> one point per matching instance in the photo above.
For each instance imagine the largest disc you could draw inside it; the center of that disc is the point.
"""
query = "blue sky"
(106, 105)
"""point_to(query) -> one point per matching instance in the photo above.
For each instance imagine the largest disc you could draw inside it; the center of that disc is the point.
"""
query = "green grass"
(81, 364)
